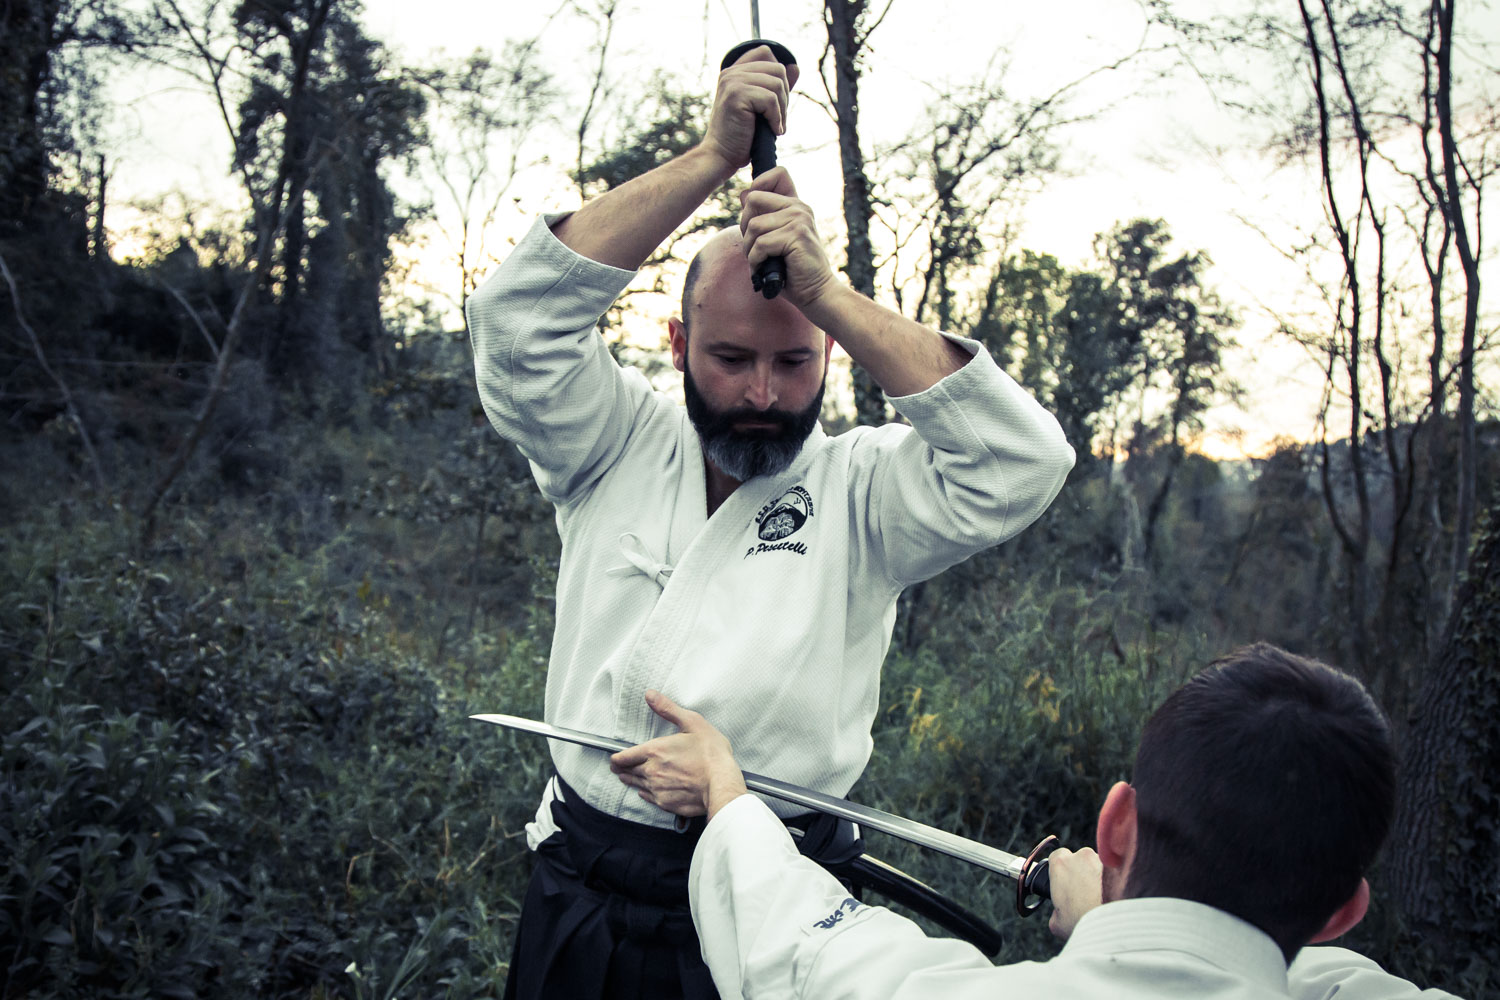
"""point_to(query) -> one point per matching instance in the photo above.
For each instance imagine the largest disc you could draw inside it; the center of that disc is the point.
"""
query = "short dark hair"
(1265, 786)
(689, 286)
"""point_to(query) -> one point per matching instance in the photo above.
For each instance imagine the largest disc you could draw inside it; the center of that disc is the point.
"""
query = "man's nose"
(761, 391)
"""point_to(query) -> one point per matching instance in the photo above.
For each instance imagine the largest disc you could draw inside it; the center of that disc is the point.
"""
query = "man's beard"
(760, 451)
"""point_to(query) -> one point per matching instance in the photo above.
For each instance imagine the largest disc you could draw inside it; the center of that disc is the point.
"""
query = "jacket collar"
(1166, 924)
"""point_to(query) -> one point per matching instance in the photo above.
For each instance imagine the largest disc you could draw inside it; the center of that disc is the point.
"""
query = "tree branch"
(62, 387)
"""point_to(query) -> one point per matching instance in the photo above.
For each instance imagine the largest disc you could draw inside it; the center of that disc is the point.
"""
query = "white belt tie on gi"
(641, 561)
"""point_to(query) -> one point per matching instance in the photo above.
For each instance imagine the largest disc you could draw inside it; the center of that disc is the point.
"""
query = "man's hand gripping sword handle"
(770, 276)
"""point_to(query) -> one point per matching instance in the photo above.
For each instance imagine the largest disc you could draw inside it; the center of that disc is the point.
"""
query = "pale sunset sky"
(1155, 146)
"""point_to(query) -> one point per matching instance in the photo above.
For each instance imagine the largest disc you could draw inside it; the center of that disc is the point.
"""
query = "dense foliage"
(233, 770)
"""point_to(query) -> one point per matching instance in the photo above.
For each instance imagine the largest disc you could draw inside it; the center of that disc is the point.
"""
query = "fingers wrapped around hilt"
(770, 277)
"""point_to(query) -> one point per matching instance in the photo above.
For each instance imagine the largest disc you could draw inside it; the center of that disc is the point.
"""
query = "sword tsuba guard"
(1038, 853)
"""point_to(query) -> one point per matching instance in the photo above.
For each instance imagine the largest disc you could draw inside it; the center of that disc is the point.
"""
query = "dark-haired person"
(729, 553)
(1261, 792)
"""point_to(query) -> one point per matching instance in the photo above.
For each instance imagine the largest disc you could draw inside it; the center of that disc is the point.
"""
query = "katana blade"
(754, 18)
(908, 830)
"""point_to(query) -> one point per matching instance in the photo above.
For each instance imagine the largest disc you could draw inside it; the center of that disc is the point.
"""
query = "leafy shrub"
(1012, 723)
(284, 799)
(111, 883)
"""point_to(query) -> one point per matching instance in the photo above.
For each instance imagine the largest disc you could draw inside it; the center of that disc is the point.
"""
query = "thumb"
(669, 710)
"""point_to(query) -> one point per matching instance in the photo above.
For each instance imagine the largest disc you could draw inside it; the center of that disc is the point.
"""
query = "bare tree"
(212, 57)
(70, 407)
(487, 109)
(1402, 151)
(1366, 95)
(601, 14)
(1462, 191)
(850, 23)
(946, 194)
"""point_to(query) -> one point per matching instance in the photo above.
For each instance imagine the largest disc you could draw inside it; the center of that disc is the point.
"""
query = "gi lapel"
(719, 539)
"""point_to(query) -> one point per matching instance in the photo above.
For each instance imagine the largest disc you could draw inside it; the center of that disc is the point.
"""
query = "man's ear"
(827, 349)
(1346, 916)
(1116, 833)
(677, 339)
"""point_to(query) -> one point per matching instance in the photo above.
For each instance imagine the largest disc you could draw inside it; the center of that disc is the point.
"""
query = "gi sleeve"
(774, 924)
(1322, 972)
(545, 377)
(986, 460)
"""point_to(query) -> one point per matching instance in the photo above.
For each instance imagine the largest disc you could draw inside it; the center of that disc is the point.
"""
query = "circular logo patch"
(789, 512)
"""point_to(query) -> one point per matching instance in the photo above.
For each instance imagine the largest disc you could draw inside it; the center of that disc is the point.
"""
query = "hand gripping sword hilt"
(770, 275)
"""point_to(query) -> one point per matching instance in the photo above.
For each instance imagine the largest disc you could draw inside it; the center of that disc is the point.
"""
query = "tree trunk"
(1468, 255)
(27, 40)
(1443, 864)
(844, 41)
(293, 176)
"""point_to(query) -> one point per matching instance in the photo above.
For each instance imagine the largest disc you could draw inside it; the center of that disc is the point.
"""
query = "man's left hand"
(776, 223)
(690, 773)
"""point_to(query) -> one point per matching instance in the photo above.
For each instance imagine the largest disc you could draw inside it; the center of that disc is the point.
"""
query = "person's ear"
(1346, 916)
(677, 339)
(827, 349)
(1116, 832)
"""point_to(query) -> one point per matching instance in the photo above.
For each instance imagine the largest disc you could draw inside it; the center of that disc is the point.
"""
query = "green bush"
(114, 883)
(1011, 723)
(282, 799)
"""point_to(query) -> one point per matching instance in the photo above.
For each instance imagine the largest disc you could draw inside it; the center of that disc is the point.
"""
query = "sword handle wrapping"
(1039, 881)
(1035, 883)
(770, 275)
(762, 147)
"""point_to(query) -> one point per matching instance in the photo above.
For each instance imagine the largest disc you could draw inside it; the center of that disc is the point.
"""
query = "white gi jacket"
(775, 925)
(773, 616)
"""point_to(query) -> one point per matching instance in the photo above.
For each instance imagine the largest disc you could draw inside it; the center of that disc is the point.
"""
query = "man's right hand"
(757, 84)
(1077, 879)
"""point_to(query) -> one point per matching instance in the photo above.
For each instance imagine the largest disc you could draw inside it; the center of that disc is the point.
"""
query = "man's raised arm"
(987, 459)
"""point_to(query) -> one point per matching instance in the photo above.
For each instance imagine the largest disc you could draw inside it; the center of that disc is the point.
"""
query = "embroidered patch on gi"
(781, 518)
(848, 906)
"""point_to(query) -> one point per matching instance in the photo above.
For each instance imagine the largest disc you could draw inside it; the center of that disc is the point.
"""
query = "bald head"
(717, 264)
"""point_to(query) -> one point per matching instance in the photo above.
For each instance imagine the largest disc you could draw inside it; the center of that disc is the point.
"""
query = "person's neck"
(718, 485)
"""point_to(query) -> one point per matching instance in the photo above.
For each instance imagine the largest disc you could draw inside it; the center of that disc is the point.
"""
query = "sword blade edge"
(909, 830)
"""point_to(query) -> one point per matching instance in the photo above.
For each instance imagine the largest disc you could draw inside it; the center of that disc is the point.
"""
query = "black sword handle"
(1039, 880)
(1035, 880)
(770, 277)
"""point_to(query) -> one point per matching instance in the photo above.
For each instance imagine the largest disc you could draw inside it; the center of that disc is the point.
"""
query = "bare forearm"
(901, 355)
(624, 226)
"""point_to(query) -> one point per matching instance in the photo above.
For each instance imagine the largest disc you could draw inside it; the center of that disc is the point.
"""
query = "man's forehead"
(783, 342)
(729, 317)
(728, 312)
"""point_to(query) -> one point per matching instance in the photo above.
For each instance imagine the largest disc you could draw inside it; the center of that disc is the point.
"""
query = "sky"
(1155, 148)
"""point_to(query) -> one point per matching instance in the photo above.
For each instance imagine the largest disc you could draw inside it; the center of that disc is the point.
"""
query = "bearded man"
(730, 553)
